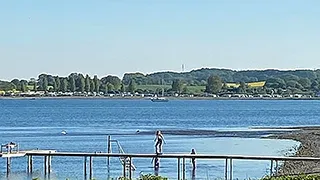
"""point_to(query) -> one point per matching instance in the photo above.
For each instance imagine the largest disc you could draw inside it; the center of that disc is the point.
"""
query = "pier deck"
(24, 153)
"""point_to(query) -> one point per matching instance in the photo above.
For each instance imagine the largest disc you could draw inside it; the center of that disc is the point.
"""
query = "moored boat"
(159, 99)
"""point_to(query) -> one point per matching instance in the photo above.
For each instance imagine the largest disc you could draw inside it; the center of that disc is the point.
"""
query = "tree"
(294, 84)
(64, 85)
(44, 85)
(242, 88)
(43, 82)
(72, 84)
(31, 81)
(92, 86)
(110, 87)
(54, 85)
(87, 83)
(185, 90)
(23, 84)
(139, 78)
(275, 83)
(132, 86)
(214, 84)
(123, 88)
(58, 83)
(224, 87)
(315, 86)
(305, 82)
(114, 80)
(96, 83)
(105, 88)
(6, 86)
(177, 85)
(16, 83)
(35, 86)
(80, 83)
(290, 77)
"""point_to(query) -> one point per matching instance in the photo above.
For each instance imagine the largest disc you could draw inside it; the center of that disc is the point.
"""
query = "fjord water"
(209, 126)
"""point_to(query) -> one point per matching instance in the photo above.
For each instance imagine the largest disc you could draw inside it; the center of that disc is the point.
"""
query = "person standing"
(193, 160)
(159, 139)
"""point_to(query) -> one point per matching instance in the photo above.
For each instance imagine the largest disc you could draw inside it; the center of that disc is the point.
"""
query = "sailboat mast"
(162, 87)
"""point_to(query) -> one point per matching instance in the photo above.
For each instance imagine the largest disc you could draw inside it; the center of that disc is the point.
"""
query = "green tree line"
(213, 81)
(75, 82)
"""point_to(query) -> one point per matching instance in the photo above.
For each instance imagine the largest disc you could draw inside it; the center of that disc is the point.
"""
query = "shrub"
(152, 177)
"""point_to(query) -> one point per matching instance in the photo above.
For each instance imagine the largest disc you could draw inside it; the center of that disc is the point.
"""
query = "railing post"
(230, 168)
(30, 164)
(226, 170)
(85, 167)
(45, 164)
(124, 167)
(8, 165)
(109, 151)
(90, 167)
(49, 164)
(271, 167)
(130, 167)
(183, 168)
(276, 167)
(178, 168)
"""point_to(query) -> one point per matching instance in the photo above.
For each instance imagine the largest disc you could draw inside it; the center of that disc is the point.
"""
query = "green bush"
(146, 177)
(298, 177)
(152, 177)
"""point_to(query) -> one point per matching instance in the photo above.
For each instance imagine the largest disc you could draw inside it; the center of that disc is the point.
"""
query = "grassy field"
(190, 89)
(199, 89)
(153, 88)
(29, 87)
(250, 84)
(257, 84)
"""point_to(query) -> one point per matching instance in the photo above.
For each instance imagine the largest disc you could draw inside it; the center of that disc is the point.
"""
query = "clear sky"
(105, 37)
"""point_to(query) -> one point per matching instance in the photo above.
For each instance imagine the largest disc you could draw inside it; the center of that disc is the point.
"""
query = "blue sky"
(117, 36)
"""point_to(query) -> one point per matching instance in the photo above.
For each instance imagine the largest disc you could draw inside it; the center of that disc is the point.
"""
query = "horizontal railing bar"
(197, 156)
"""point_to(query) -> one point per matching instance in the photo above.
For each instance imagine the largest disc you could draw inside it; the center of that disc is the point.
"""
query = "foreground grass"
(297, 177)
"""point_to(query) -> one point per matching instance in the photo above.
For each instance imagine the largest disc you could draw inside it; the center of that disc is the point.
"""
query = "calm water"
(38, 124)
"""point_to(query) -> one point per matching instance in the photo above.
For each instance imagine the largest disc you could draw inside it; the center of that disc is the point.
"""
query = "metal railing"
(181, 174)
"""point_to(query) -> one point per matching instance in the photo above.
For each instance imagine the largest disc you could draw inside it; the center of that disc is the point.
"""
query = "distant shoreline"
(148, 98)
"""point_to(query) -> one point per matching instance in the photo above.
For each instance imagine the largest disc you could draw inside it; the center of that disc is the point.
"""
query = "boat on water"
(159, 99)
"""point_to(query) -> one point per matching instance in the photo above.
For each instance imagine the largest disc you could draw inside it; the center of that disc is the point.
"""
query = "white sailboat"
(160, 99)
